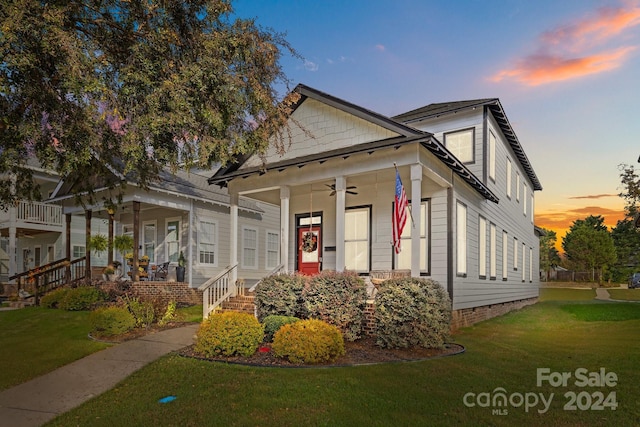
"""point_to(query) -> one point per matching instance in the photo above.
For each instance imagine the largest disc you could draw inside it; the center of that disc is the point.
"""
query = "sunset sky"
(567, 73)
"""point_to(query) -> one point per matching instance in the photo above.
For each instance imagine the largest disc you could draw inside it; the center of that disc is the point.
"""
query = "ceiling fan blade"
(352, 192)
(332, 193)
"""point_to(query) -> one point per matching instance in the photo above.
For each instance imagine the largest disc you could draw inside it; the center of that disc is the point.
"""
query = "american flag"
(399, 212)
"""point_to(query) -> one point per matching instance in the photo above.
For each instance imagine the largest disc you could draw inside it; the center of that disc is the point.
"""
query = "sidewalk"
(40, 400)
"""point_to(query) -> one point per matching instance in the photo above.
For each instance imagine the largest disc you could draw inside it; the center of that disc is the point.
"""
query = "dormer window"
(460, 144)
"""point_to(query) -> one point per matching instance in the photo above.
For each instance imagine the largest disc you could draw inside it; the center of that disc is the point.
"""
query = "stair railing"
(218, 289)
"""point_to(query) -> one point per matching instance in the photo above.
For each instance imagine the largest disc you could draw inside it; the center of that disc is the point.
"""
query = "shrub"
(53, 298)
(111, 321)
(169, 314)
(412, 313)
(280, 294)
(308, 341)
(274, 322)
(338, 299)
(229, 334)
(81, 298)
(143, 311)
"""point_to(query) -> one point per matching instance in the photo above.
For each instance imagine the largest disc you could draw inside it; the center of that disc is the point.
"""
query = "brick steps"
(241, 304)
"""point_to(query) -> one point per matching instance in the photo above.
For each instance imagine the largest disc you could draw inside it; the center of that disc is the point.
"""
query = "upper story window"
(492, 156)
(461, 239)
(509, 178)
(517, 186)
(460, 144)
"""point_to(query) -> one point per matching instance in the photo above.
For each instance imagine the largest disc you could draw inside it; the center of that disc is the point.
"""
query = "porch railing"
(217, 290)
(39, 213)
(48, 277)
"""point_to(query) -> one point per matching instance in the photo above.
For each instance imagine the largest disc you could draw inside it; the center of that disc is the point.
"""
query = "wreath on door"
(309, 242)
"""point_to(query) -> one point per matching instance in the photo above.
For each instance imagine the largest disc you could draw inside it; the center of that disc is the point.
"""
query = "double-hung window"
(460, 144)
(357, 238)
(482, 248)
(403, 259)
(461, 239)
(273, 249)
(249, 247)
(207, 242)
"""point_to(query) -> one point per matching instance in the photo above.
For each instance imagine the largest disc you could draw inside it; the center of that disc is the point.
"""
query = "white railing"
(39, 213)
(217, 290)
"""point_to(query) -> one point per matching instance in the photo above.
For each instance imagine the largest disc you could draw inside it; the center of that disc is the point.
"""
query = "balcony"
(33, 215)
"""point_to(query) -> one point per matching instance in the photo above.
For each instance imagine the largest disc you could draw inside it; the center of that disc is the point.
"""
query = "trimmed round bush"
(274, 322)
(229, 334)
(111, 321)
(280, 294)
(338, 299)
(412, 312)
(309, 341)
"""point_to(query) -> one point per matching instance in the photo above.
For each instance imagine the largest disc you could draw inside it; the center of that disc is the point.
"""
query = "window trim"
(407, 239)
(155, 239)
(267, 251)
(256, 249)
(216, 247)
(492, 252)
(482, 247)
(515, 254)
(473, 138)
(492, 156)
(509, 178)
(461, 239)
(505, 255)
(369, 209)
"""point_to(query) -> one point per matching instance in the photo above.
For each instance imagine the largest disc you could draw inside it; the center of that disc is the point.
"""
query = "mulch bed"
(361, 352)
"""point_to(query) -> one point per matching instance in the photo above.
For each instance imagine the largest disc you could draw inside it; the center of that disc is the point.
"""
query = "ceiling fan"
(333, 189)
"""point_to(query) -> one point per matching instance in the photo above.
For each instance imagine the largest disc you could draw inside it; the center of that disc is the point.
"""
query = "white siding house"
(469, 183)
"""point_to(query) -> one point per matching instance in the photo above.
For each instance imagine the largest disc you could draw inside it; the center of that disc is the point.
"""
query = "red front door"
(309, 250)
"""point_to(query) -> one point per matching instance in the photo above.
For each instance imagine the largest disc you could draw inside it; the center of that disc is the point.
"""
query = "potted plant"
(181, 267)
(98, 243)
(109, 273)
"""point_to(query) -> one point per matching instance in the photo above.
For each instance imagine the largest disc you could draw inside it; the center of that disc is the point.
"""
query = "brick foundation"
(469, 316)
(168, 291)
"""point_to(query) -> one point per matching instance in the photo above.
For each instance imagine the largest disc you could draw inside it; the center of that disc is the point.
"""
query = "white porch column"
(285, 195)
(13, 243)
(233, 243)
(416, 201)
(190, 249)
(341, 187)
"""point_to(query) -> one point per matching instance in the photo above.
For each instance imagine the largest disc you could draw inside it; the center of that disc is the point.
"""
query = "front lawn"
(625, 294)
(503, 355)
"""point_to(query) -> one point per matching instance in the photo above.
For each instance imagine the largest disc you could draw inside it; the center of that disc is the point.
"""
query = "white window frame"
(532, 210)
(492, 251)
(76, 250)
(515, 254)
(4, 259)
(509, 177)
(505, 255)
(167, 242)
(530, 264)
(402, 260)
(360, 242)
(524, 200)
(524, 260)
(482, 247)
(461, 239)
(269, 249)
(247, 249)
(51, 253)
(456, 142)
(517, 186)
(492, 156)
(154, 240)
(202, 241)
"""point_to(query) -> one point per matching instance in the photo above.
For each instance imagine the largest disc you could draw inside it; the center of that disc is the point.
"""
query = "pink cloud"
(576, 49)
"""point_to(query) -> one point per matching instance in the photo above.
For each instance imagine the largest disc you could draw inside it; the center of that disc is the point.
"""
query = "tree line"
(589, 245)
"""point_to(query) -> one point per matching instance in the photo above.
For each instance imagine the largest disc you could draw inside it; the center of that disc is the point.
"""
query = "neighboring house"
(469, 182)
(180, 213)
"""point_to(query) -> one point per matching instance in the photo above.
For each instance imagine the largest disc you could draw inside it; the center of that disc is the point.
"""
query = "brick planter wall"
(168, 291)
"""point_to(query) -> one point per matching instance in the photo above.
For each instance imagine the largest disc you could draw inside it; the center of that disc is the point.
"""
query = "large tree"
(588, 245)
(135, 85)
(549, 256)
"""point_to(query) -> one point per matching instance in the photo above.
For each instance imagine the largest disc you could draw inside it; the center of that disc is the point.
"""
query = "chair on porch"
(162, 271)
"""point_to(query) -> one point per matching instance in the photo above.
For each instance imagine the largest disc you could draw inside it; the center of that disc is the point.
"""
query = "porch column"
(190, 249)
(87, 264)
(67, 247)
(285, 195)
(233, 243)
(341, 191)
(13, 243)
(110, 237)
(135, 273)
(416, 201)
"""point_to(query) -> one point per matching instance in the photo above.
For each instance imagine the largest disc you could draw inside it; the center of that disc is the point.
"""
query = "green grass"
(606, 312)
(566, 294)
(35, 340)
(625, 294)
(504, 352)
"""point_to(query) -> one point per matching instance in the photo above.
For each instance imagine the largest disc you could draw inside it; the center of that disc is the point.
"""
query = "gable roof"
(407, 134)
(492, 104)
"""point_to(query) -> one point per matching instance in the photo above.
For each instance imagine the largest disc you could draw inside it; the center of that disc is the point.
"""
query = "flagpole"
(413, 224)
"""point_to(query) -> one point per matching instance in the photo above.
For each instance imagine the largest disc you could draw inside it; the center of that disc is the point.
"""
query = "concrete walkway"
(40, 400)
(602, 294)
